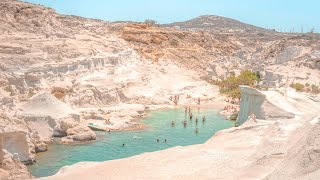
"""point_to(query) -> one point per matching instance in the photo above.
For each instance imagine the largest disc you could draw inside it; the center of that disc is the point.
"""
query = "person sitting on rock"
(253, 117)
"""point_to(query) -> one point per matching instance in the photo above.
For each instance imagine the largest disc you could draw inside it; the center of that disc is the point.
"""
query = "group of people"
(175, 99)
(230, 108)
(165, 140)
(188, 110)
(232, 101)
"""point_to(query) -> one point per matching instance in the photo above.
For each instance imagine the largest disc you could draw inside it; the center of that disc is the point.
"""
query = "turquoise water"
(110, 145)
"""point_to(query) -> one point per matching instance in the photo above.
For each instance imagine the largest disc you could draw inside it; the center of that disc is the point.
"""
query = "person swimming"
(203, 118)
(165, 141)
(158, 140)
(184, 123)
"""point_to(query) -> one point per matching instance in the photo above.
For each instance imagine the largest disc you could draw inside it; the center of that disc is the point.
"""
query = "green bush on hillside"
(230, 86)
(297, 86)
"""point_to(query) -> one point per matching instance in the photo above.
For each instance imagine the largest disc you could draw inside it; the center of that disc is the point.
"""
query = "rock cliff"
(58, 73)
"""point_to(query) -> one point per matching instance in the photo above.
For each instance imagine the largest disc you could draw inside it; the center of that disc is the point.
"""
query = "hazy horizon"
(282, 16)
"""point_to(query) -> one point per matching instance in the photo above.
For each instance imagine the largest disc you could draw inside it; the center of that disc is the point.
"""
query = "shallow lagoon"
(109, 146)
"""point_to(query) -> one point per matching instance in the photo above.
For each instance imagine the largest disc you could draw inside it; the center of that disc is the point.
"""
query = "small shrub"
(150, 22)
(297, 86)
(30, 93)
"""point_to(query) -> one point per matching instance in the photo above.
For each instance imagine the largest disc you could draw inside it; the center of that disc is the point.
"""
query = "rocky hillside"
(217, 24)
(114, 72)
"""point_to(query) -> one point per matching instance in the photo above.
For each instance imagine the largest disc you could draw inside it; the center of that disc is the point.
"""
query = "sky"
(282, 15)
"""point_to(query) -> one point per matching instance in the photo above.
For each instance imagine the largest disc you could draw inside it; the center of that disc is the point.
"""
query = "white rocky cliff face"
(59, 73)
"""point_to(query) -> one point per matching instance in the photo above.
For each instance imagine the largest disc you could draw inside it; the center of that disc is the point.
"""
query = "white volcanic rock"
(44, 105)
(279, 148)
(78, 134)
(18, 142)
(265, 105)
(43, 113)
(11, 168)
(92, 65)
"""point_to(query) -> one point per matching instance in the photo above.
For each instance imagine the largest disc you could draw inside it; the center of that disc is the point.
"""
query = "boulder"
(11, 168)
(81, 133)
(78, 134)
(41, 147)
(43, 114)
(18, 142)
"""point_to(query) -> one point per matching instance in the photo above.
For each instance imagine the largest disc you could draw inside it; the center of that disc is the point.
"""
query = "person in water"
(123, 145)
(197, 121)
(203, 118)
(165, 141)
(191, 116)
(172, 123)
(184, 123)
(197, 131)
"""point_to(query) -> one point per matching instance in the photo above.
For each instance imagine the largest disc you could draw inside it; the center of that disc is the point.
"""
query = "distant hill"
(217, 24)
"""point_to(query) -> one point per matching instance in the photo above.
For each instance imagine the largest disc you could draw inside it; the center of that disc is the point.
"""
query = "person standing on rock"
(198, 101)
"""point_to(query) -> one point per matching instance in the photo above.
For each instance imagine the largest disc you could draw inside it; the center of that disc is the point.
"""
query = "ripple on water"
(109, 145)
